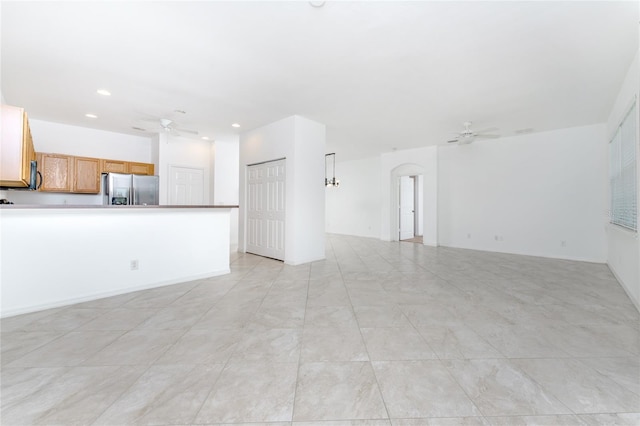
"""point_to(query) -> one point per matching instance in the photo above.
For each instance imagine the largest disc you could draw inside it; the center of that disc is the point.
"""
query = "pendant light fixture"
(333, 181)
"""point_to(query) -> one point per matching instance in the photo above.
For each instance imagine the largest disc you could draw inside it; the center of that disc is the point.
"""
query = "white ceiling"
(380, 75)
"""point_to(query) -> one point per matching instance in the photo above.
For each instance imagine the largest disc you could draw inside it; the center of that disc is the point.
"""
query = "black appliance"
(33, 180)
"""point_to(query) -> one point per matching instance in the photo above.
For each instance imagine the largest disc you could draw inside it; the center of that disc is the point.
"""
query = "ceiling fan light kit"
(467, 135)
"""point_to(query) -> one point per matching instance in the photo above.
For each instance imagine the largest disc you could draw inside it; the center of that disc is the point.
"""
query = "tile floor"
(377, 334)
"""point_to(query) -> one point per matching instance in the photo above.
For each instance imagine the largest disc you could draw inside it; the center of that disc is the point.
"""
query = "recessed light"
(104, 92)
(91, 115)
(206, 138)
(235, 125)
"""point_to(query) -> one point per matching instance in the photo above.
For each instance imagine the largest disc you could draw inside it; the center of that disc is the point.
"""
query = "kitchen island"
(58, 255)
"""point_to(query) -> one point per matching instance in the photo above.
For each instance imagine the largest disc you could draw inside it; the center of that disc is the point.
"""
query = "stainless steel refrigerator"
(130, 190)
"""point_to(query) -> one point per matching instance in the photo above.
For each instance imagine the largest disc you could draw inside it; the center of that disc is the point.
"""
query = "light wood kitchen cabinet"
(117, 166)
(81, 175)
(141, 169)
(16, 147)
(86, 175)
(114, 166)
(57, 172)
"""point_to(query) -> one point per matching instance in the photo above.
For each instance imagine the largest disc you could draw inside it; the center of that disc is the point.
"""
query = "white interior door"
(406, 207)
(266, 209)
(186, 186)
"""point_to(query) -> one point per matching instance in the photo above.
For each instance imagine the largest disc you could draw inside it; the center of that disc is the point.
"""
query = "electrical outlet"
(134, 265)
(563, 243)
(468, 235)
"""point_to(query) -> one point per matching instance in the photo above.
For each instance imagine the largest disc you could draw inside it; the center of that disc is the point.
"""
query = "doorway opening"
(410, 208)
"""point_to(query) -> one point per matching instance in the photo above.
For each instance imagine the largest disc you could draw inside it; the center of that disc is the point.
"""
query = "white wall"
(533, 192)
(184, 152)
(226, 180)
(354, 207)
(80, 254)
(86, 142)
(302, 143)
(83, 142)
(623, 246)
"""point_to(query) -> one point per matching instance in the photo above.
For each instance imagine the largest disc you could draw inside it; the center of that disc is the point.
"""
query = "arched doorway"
(407, 205)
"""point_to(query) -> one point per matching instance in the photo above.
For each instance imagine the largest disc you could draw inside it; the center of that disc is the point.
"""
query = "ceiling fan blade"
(488, 136)
(488, 129)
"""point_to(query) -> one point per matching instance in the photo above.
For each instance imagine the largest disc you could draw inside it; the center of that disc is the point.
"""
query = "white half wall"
(53, 257)
(540, 194)
(623, 246)
(302, 142)
(354, 207)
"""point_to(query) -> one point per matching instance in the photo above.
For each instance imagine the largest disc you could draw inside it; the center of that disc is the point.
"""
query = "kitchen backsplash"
(49, 198)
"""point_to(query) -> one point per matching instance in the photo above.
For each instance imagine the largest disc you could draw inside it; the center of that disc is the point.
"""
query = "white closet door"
(186, 186)
(266, 209)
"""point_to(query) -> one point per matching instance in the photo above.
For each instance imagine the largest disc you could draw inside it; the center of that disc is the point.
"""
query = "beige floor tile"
(417, 389)
(137, 347)
(203, 347)
(457, 342)
(69, 350)
(442, 421)
(76, 397)
(251, 392)
(274, 345)
(119, 319)
(588, 391)
(396, 344)
(618, 419)
(381, 316)
(330, 316)
(165, 394)
(498, 387)
(210, 351)
(16, 344)
(337, 390)
(333, 344)
(560, 420)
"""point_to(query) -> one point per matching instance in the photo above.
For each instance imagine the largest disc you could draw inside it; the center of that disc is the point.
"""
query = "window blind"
(623, 173)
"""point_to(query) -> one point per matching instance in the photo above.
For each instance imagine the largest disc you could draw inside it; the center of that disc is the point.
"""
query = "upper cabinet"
(86, 175)
(117, 166)
(57, 172)
(16, 147)
(81, 175)
(114, 166)
(141, 169)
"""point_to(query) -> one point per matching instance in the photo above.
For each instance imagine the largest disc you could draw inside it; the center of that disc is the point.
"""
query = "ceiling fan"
(467, 135)
(164, 125)
(170, 126)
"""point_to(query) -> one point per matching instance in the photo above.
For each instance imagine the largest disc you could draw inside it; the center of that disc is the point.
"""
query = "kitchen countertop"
(98, 206)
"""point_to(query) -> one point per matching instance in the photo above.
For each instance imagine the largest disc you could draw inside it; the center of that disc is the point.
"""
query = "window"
(623, 174)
